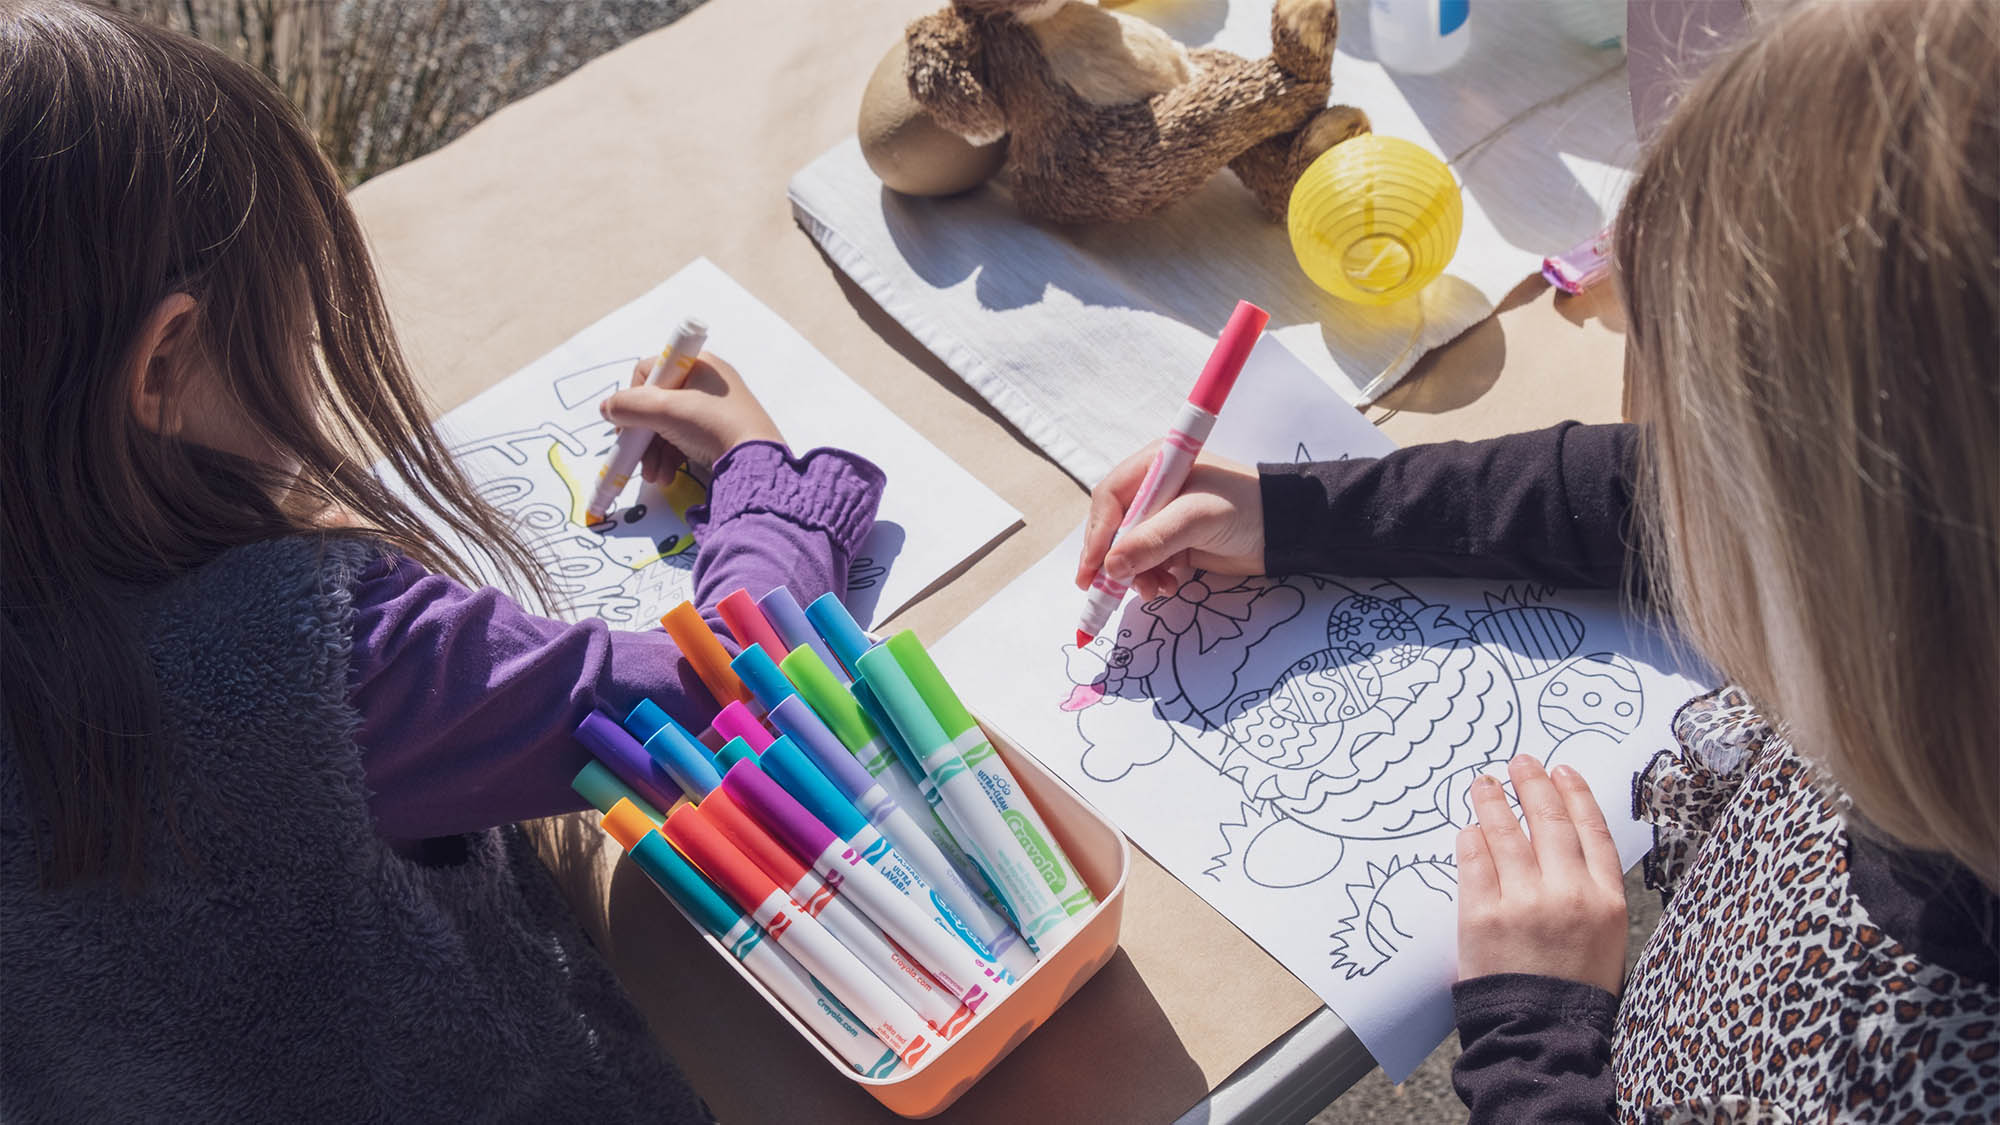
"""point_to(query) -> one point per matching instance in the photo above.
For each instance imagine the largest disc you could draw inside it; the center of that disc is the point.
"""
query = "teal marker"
(734, 751)
(773, 967)
(995, 779)
(602, 789)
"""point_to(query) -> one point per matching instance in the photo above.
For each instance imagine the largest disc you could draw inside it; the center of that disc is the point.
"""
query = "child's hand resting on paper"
(1215, 524)
(1550, 901)
(699, 421)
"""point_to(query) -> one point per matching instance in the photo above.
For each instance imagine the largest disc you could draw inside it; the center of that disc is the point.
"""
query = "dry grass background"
(381, 82)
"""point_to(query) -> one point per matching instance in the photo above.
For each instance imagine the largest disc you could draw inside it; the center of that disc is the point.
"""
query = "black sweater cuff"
(1535, 1048)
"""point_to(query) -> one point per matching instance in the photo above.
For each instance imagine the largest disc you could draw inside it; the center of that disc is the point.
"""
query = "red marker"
(1177, 454)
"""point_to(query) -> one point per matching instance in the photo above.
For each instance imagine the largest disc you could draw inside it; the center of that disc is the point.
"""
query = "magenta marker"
(970, 976)
(1177, 454)
(803, 727)
(736, 721)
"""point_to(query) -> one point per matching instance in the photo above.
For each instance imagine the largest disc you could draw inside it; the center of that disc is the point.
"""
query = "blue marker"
(760, 674)
(740, 935)
(683, 758)
(645, 720)
(828, 615)
(781, 611)
(610, 744)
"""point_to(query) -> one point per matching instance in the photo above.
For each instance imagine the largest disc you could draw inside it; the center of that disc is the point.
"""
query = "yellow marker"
(672, 370)
(1375, 219)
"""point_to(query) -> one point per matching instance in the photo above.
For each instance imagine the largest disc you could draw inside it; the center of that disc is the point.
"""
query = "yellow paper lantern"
(1375, 219)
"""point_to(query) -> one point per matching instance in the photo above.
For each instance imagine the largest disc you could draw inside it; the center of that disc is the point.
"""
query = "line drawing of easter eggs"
(1599, 692)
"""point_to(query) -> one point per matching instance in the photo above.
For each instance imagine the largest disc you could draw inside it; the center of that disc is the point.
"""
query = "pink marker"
(695, 836)
(1177, 454)
(961, 969)
(823, 901)
(737, 721)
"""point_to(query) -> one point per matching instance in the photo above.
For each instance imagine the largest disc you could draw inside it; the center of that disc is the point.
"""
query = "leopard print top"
(1767, 993)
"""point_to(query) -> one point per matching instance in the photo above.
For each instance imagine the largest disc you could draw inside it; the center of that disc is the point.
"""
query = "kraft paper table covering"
(679, 145)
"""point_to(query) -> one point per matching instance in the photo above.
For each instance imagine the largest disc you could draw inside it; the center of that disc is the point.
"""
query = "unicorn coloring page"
(1298, 750)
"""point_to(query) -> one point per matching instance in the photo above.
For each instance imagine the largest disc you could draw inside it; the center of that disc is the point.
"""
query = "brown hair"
(137, 163)
(1811, 268)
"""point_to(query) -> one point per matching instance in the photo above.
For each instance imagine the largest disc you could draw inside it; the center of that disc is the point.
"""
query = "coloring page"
(533, 445)
(1298, 750)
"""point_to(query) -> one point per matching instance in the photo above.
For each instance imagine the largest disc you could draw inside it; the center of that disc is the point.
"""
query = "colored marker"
(754, 667)
(609, 743)
(1177, 454)
(995, 779)
(603, 790)
(645, 718)
(843, 714)
(734, 751)
(737, 721)
(670, 371)
(773, 967)
(683, 759)
(906, 759)
(711, 661)
(829, 616)
(873, 802)
(1006, 859)
(856, 930)
(746, 622)
(921, 922)
(799, 933)
(783, 612)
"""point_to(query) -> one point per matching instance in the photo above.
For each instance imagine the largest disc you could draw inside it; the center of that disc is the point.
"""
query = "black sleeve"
(1550, 506)
(1534, 1049)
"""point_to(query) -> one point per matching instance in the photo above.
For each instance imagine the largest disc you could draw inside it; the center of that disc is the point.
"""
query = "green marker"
(995, 778)
(602, 789)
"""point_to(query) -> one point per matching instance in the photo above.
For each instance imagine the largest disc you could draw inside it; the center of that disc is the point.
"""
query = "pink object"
(737, 721)
(1581, 266)
(748, 624)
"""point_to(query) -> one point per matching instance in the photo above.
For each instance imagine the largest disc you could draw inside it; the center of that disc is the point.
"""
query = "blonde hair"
(1811, 268)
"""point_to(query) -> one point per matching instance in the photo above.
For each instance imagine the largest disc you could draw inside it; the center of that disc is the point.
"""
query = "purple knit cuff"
(827, 490)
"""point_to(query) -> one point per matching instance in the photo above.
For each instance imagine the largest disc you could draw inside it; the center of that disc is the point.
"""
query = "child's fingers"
(1478, 882)
(1513, 858)
(1550, 831)
(1155, 540)
(1600, 851)
(642, 371)
(1107, 510)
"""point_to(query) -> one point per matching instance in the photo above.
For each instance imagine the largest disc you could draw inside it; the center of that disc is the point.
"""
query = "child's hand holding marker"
(1216, 523)
(698, 421)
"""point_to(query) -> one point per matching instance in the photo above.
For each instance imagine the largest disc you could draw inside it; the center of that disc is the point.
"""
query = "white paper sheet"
(534, 443)
(1298, 750)
(1066, 329)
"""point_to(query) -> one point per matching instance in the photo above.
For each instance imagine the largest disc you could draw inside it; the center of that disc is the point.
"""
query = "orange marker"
(711, 661)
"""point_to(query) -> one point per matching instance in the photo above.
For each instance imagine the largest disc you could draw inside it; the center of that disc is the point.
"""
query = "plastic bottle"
(1419, 36)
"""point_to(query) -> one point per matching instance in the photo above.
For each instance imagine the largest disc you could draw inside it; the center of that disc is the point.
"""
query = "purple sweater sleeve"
(1535, 1049)
(468, 701)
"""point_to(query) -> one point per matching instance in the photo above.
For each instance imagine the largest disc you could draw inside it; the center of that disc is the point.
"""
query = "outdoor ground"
(492, 52)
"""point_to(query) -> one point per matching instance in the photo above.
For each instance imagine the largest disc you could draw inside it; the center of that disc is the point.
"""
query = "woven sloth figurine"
(1108, 118)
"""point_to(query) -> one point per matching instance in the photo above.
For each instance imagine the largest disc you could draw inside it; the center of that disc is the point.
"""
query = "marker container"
(1102, 859)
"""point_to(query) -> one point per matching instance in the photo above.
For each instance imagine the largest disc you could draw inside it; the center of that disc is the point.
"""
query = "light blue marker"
(828, 614)
(781, 611)
(683, 759)
(760, 674)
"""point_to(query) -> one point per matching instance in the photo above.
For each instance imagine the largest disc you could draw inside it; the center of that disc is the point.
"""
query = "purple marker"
(610, 744)
(782, 612)
(803, 726)
(970, 977)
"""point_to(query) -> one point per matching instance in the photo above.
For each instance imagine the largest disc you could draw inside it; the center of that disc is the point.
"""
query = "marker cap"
(899, 697)
(736, 721)
(864, 694)
(701, 841)
(739, 611)
(1232, 351)
(835, 706)
(930, 683)
(778, 811)
(790, 768)
(802, 725)
(828, 614)
(734, 751)
(627, 759)
(757, 671)
(603, 790)
(645, 718)
(684, 760)
(754, 840)
(627, 824)
(671, 871)
(783, 612)
(711, 661)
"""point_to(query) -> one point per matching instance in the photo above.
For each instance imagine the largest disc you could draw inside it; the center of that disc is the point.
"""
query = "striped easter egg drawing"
(1528, 638)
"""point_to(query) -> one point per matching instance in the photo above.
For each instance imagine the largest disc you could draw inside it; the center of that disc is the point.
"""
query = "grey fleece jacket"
(284, 962)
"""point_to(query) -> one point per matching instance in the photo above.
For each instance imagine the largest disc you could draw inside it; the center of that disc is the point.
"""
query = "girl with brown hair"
(264, 746)
(1810, 260)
